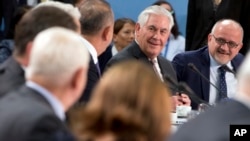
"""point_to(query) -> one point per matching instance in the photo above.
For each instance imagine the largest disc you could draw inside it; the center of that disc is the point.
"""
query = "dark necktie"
(222, 83)
(22, 2)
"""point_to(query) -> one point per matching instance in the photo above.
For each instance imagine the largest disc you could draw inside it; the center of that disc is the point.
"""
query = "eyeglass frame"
(221, 41)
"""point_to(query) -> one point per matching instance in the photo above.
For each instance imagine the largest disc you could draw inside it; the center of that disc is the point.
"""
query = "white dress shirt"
(214, 76)
(91, 50)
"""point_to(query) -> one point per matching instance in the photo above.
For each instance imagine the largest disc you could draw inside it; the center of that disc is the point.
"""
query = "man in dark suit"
(12, 70)
(203, 14)
(214, 124)
(224, 43)
(56, 76)
(7, 9)
(151, 33)
(97, 22)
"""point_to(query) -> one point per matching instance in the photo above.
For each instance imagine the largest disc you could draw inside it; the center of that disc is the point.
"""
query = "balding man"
(217, 62)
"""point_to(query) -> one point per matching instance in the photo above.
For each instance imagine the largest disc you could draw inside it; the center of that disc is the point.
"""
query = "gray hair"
(68, 8)
(56, 54)
(155, 9)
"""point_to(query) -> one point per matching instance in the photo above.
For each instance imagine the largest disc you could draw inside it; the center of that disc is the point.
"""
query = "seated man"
(150, 37)
(214, 124)
(224, 43)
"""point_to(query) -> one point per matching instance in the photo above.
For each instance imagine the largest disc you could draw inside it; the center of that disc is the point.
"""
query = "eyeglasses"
(222, 41)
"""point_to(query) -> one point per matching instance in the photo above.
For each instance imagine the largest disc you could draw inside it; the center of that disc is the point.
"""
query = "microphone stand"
(182, 87)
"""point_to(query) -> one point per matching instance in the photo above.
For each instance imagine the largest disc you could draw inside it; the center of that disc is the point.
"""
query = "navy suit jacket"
(214, 124)
(133, 52)
(26, 115)
(93, 78)
(11, 76)
(200, 58)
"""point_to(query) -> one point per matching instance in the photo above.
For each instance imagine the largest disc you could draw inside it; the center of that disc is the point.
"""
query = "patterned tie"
(222, 83)
(217, 2)
(157, 71)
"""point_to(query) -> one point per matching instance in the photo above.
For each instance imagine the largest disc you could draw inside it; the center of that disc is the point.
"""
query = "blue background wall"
(132, 8)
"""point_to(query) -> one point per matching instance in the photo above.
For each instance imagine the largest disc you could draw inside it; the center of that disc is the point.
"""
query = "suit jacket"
(214, 124)
(7, 9)
(11, 76)
(26, 115)
(200, 58)
(104, 57)
(93, 78)
(201, 17)
(133, 52)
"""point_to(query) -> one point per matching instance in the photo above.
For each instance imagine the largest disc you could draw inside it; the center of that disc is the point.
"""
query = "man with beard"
(224, 44)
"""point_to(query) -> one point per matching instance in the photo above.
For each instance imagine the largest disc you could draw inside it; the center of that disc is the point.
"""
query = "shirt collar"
(91, 49)
(114, 50)
(215, 65)
(52, 100)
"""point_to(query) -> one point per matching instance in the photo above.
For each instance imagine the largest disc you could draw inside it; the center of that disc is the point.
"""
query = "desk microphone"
(229, 70)
(172, 83)
(182, 87)
(194, 68)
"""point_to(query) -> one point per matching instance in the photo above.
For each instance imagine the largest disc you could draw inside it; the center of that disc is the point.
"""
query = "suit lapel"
(93, 67)
(205, 69)
(138, 54)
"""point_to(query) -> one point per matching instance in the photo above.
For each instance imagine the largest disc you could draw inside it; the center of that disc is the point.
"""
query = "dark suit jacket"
(201, 18)
(11, 76)
(104, 57)
(214, 124)
(93, 78)
(7, 9)
(26, 115)
(200, 58)
(133, 52)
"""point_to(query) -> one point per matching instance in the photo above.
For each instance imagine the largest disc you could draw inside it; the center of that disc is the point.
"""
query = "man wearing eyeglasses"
(210, 71)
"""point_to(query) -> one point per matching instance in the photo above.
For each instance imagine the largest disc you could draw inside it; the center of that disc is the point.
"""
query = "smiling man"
(224, 44)
(151, 34)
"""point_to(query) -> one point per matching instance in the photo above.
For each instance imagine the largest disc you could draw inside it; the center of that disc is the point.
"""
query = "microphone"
(229, 70)
(182, 87)
(172, 83)
(194, 68)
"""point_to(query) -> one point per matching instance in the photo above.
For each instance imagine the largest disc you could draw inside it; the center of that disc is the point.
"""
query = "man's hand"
(180, 99)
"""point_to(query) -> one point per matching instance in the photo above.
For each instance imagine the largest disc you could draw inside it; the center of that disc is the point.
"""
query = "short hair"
(37, 20)
(95, 14)
(231, 21)
(69, 8)
(129, 102)
(155, 9)
(175, 29)
(119, 23)
(56, 54)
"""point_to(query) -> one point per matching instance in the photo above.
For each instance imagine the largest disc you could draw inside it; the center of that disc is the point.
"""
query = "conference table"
(178, 121)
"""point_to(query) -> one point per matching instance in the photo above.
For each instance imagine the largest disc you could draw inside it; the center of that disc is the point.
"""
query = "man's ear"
(137, 28)
(78, 80)
(28, 52)
(209, 37)
(107, 33)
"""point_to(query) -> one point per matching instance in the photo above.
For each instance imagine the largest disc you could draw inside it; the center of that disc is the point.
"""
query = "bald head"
(228, 24)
